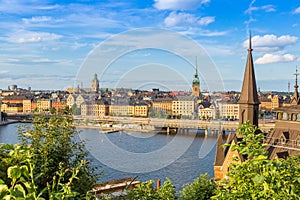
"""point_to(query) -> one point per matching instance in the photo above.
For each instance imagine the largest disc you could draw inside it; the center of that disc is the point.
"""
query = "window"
(282, 140)
(285, 116)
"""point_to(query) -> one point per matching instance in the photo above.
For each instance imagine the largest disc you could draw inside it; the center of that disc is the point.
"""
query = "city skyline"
(44, 43)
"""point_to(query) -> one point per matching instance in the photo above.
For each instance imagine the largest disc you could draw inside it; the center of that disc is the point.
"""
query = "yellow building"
(271, 103)
(43, 105)
(27, 106)
(162, 105)
(141, 110)
(102, 110)
(229, 110)
(11, 108)
(183, 106)
(121, 110)
(265, 104)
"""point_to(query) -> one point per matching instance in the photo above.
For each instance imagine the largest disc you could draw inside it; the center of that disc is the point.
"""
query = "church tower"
(295, 98)
(249, 102)
(95, 84)
(196, 83)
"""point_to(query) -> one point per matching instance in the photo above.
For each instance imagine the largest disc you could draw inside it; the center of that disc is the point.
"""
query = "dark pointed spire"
(249, 101)
(295, 99)
(296, 74)
(250, 45)
(249, 89)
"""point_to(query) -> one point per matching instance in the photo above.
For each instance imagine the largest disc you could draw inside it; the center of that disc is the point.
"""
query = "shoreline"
(113, 128)
(3, 123)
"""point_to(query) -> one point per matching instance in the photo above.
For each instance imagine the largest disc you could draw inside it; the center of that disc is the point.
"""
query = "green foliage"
(76, 110)
(146, 191)
(202, 188)
(22, 178)
(258, 177)
(261, 178)
(167, 191)
(54, 147)
(251, 143)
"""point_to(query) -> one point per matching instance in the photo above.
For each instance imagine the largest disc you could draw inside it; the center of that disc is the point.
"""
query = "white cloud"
(268, 43)
(204, 21)
(37, 19)
(196, 31)
(265, 8)
(32, 37)
(30, 6)
(212, 33)
(4, 71)
(179, 4)
(179, 18)
(276, 58)
(182, 18)
(297, 10)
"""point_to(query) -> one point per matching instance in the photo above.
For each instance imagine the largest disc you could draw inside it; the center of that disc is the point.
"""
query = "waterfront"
(181, 171)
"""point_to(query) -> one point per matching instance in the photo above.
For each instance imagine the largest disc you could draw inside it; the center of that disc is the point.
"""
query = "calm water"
(148, 156)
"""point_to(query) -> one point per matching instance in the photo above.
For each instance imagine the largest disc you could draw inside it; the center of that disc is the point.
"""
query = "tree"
(19, 181)
(146, 191)
(54, 146)
(52, 110)
(151, 112)
(202, 188)
(76, 110)
(258, 177)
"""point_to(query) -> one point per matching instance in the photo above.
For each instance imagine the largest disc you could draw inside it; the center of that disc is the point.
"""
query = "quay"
(110, 124)
(169, 126)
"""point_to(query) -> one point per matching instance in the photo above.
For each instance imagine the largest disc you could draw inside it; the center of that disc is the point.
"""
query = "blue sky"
(44, 43)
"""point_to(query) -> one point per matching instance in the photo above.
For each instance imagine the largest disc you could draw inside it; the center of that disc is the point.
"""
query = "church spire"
(295, 98)
(249, 101)
(196, 82)
(250, 42)
(196, 74)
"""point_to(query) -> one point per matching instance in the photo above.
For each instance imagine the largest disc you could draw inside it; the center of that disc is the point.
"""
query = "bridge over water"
(213, 126)
(169, 125)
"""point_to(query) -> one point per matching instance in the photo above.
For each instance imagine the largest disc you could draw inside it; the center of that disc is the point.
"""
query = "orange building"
(14, 99)
(58, 104)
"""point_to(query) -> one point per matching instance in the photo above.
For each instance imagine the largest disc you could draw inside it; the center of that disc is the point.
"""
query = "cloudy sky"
(45, 44)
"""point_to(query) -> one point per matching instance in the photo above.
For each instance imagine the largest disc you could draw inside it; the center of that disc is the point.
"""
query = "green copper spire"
(196, 80)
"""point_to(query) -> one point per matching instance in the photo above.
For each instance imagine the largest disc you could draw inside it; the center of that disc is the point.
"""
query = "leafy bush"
(202, 188)
(53, 147)
(22, 178)
(146, 191)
